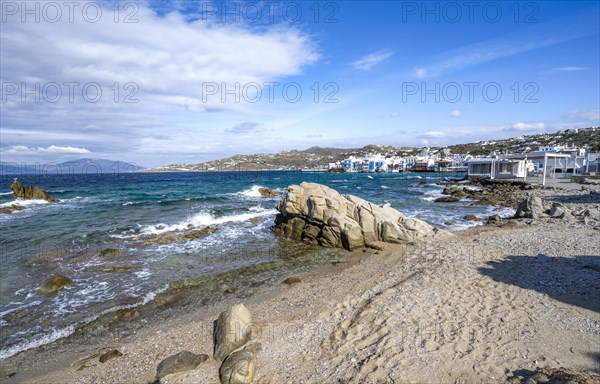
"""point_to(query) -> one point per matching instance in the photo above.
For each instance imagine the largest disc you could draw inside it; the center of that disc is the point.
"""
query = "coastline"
(445, 311)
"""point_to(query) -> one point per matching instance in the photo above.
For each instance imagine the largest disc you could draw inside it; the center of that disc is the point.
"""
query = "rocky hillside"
(318, 157)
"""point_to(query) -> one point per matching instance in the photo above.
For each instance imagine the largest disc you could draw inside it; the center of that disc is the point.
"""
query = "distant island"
(87, 166)
(318, 158)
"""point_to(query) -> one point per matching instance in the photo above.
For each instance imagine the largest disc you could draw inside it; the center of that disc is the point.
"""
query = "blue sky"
(186, 82)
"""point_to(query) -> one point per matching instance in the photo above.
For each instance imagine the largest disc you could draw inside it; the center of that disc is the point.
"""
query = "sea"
(99, 212)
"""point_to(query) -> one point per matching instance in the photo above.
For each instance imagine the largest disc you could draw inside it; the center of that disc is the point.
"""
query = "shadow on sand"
(573, 280)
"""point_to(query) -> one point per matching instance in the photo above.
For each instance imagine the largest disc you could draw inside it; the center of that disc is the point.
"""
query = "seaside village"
(556, 161)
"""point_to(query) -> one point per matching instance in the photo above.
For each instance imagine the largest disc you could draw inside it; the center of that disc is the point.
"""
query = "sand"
(487, 304)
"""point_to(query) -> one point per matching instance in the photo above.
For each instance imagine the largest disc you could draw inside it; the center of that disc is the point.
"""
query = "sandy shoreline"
(487, 304)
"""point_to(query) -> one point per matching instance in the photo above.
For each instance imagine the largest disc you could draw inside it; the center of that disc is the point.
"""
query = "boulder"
(233, 329)
(180, 362)
(530, 208)
(267, 192)
(54, 284)
(316, 213)
(29, 192)
(470, 218)
(240, 366)
(559, 211)
(592, 213)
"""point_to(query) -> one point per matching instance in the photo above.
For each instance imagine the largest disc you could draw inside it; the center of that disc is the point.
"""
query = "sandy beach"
(492, 302)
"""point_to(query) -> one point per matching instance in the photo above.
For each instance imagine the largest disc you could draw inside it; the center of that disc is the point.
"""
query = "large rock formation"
(316, 213)
(29, 192)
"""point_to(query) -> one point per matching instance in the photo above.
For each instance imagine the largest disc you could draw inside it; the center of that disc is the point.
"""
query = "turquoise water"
(97, 212)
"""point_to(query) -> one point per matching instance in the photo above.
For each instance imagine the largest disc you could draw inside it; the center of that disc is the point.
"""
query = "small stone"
(292, 280)
(230, 290)
(470, 218)
(109, 355)
(257, 283)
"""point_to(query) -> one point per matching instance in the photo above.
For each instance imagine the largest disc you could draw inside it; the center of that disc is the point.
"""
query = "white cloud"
(456, 113)
(544, 34)
(592, 115)
(366, 63)
(53, 149)
(520, 126)
(169, 62)
(246, 127)
(565, 69)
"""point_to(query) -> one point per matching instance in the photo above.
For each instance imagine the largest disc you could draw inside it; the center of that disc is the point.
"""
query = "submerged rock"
(180, 362)
(316, 213)
(470, 218)
(233, 329)
(29, 192)
(12, 208)
(267, 192)
(173, 237)
(54, 284)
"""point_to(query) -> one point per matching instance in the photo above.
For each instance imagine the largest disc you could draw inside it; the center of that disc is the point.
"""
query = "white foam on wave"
(48, 337)
(54, 334)
(203, 219)
(251, 192)
(24, 203)
(5, 193)
(128, 203)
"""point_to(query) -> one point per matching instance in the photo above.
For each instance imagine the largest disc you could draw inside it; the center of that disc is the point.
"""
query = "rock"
(231, 290)
(233, 329)
(180, 362)
(240, 366)
(12, 208)
(108, 252)
(559, 211)
(530, 208)
(592, 213)
(54, 284)
(556, 375)
(109, 355)
(447, 199)
(29, 192)
(494, 219)
(292, 280)
(267, 192)
(255, 284)
(119, 268)
(16, 315)
(125, 314)
(471, 218)
(172, 237)
(316, 213)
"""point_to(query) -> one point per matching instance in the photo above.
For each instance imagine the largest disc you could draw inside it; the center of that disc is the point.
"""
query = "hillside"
(318, 157)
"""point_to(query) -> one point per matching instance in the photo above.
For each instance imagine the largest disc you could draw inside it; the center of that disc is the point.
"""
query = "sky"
(162, 82)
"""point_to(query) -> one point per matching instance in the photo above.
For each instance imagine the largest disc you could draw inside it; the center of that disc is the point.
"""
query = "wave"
(24, 203)
(5, 193)
(58, 333)
(203, 219)
(251, 192)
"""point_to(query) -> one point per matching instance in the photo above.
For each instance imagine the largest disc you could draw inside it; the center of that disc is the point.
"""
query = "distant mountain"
(95, 166)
